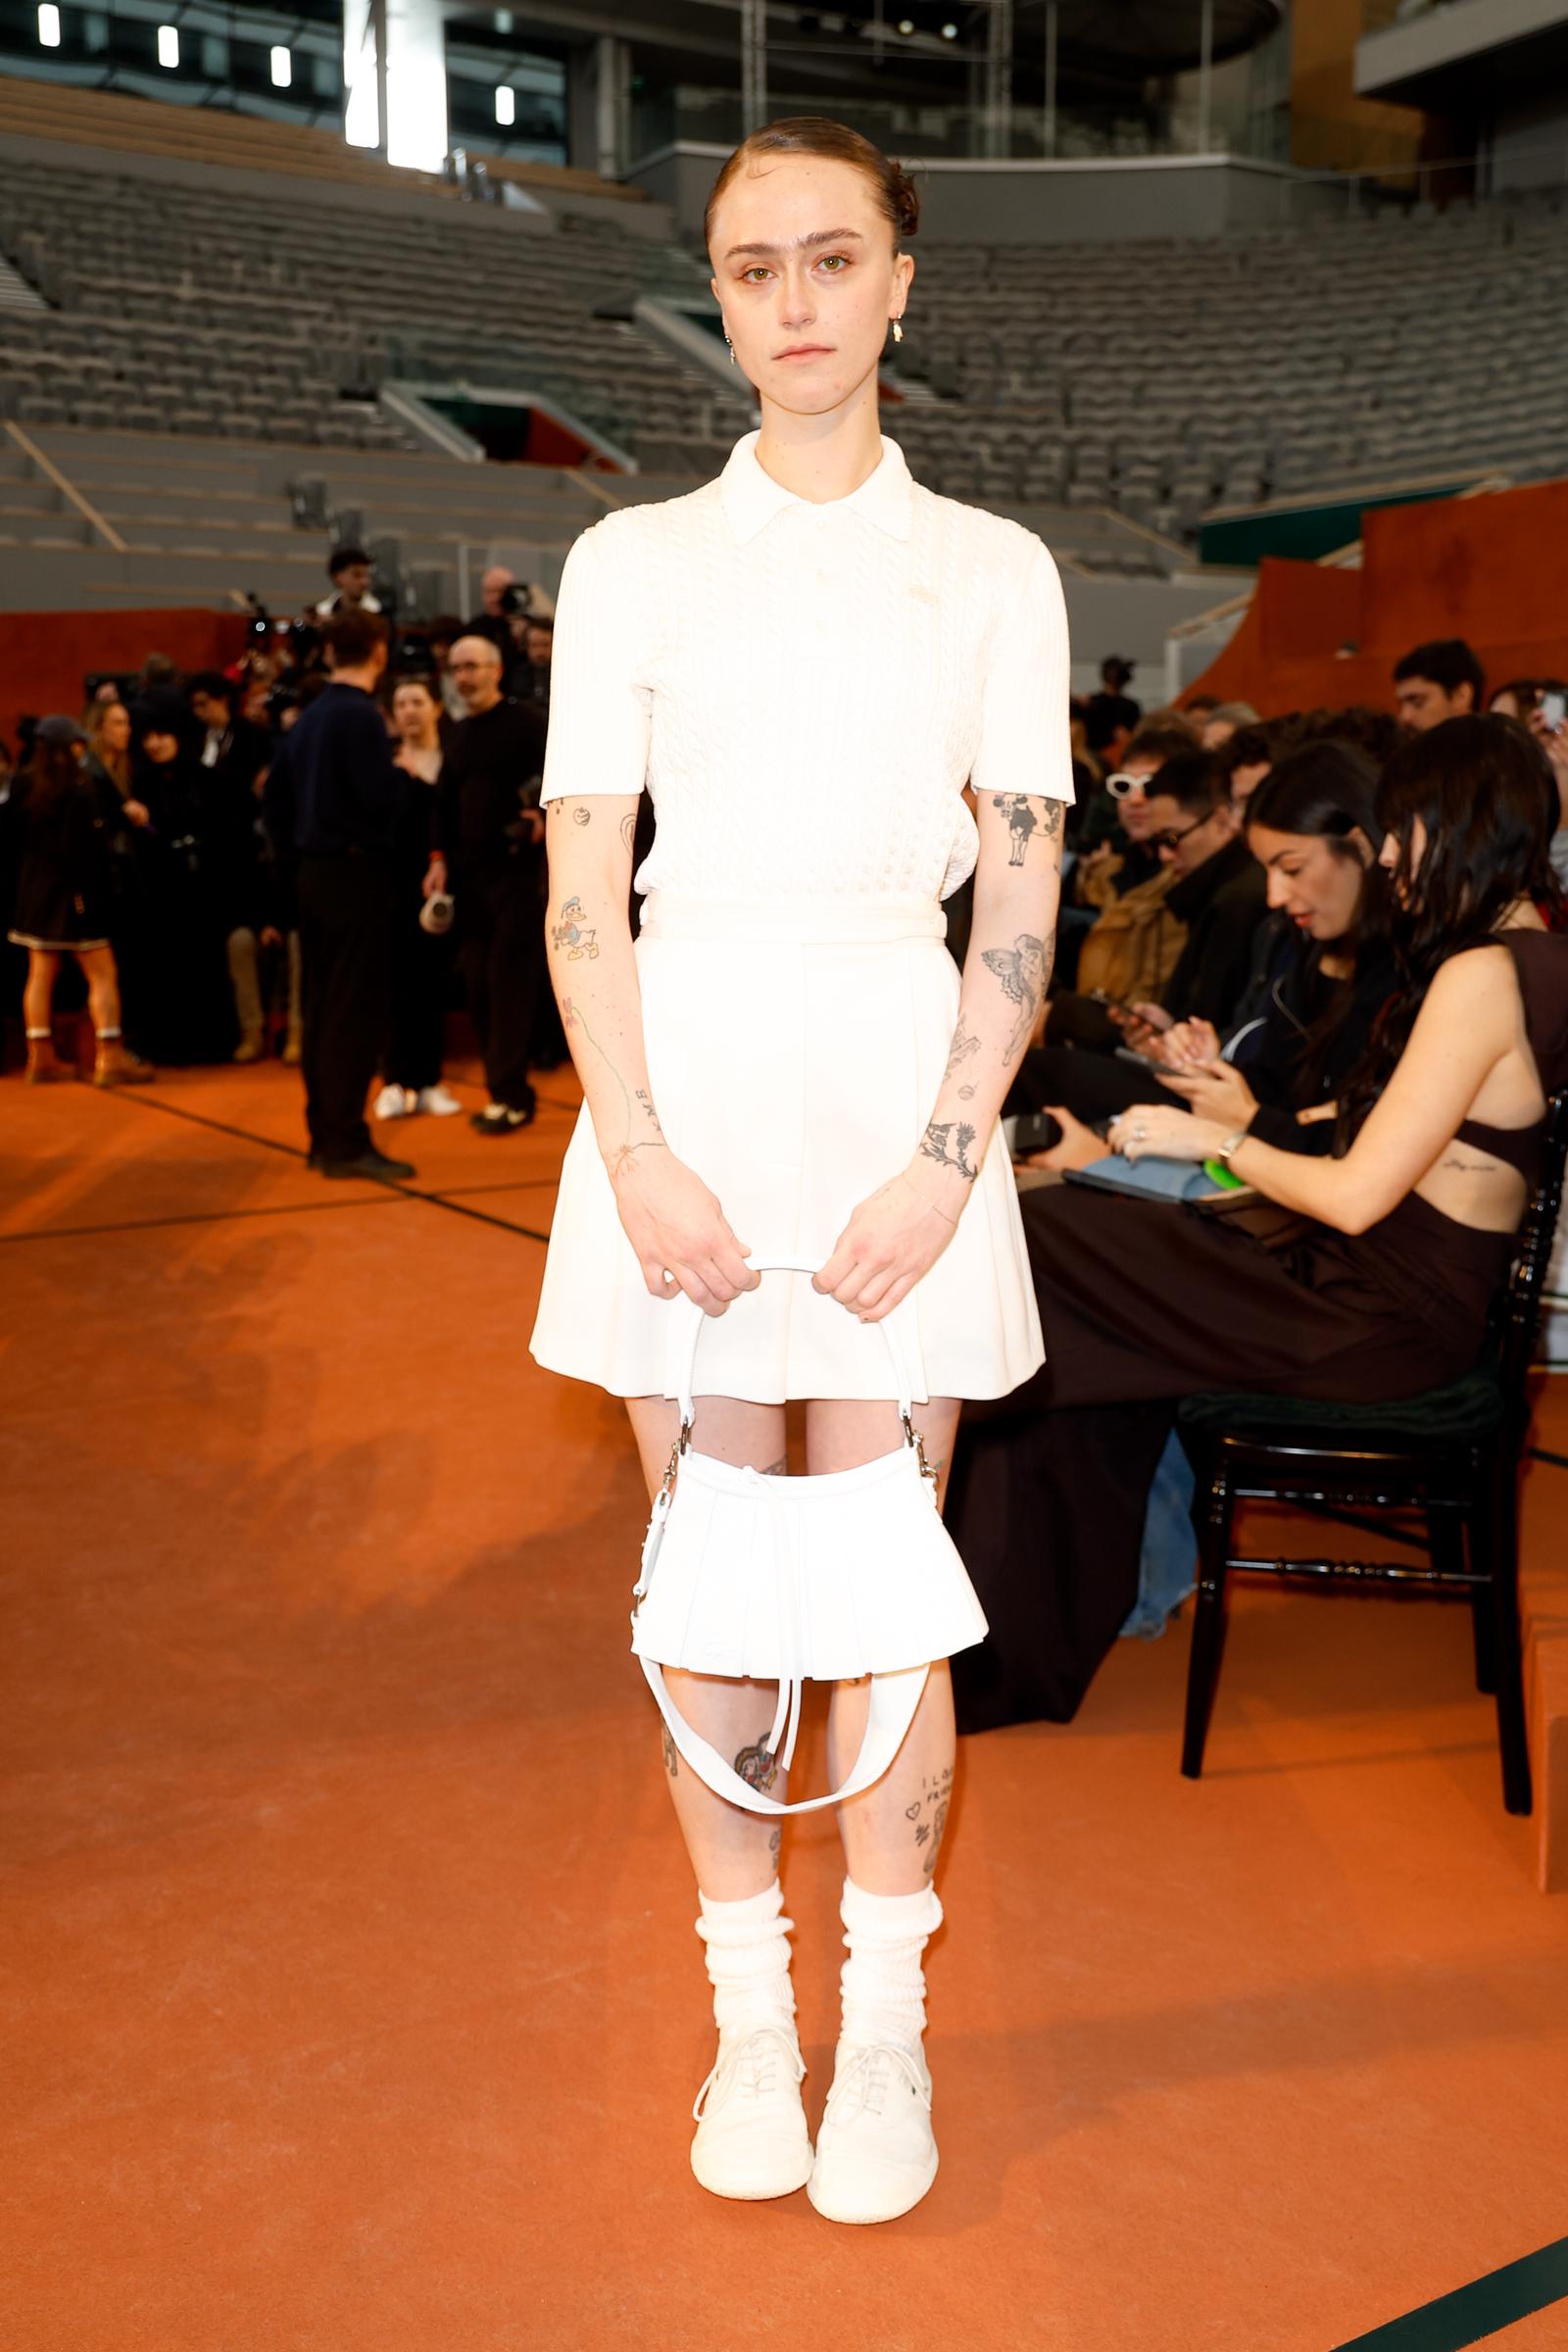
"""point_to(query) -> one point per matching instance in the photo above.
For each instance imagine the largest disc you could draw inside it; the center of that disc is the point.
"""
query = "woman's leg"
(875, 2152)
(37, 1012)
(103, 992)
(734, 1853)
(751, 2139)
(892, 1831)
(38, 995)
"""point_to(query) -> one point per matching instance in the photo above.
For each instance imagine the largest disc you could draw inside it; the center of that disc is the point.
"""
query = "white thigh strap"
(893, 1702)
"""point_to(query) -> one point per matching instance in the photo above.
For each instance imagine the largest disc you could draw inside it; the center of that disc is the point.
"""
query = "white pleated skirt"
(795, 1051)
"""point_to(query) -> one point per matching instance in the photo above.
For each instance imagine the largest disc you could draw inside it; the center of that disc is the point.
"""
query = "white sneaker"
(393, 1102)
(438, 1098)
(875, 2154)
(751, 2139)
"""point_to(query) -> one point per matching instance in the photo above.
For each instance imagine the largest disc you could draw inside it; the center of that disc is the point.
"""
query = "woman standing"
(67, 814)
(807, 658)
(411, 1077)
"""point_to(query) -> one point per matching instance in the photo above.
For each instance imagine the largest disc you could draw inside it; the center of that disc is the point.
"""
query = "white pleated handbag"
(822, 1579)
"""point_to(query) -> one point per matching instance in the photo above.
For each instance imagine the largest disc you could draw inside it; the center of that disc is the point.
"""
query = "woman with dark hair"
(1380, 1285)
(1322, 970)
(807, 659)
(67, 812)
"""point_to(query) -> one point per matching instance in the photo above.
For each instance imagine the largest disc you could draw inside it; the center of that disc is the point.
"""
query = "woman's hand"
(678, 1229)
(894, 1237)
(1149, 1131)
(1080, 1147)
(1143, 1026)
(1190, 1043)
(135, 812)
(1216, 1092)
(435, 878)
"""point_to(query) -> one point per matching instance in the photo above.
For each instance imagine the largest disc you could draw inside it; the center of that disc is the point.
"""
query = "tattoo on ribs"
(1022, 970)
(947, 1142)
(571, 932)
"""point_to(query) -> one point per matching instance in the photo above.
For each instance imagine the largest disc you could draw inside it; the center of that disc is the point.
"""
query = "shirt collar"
(751, 498)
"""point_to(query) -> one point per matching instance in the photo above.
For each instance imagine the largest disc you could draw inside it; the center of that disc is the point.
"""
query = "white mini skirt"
(794, 1053)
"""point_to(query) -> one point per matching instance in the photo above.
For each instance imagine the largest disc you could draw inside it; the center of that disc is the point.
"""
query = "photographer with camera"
(487, 846)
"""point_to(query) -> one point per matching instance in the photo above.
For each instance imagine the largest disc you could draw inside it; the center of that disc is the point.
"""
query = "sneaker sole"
(859, 2215)
(760, 2192)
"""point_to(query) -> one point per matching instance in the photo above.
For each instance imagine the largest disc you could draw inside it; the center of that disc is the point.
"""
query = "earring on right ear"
(730, 348)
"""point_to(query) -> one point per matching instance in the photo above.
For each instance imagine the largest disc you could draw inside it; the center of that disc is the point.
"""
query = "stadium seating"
(1055, 380)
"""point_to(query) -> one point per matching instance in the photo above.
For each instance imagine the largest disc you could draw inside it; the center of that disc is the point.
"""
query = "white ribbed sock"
(748, 1955)
(882, 1982)
(33, 1034)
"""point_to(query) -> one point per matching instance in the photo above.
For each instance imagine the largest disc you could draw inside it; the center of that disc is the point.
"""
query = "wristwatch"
(1231, 1144)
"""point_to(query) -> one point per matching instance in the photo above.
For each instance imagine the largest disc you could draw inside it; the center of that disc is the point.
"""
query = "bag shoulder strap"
(766, 1263)
(894, 1698)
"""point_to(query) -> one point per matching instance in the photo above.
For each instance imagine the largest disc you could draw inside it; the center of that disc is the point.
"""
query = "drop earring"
(730, 348)
(897, 332)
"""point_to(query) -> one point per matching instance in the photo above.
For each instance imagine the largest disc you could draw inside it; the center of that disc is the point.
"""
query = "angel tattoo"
(1021, 969)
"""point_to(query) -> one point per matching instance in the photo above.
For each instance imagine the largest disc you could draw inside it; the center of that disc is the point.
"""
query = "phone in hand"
(1553, 709)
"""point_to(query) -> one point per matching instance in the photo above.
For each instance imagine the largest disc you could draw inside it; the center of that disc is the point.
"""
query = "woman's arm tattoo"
(1023, 970)
(615, 1159)
(948, 1142)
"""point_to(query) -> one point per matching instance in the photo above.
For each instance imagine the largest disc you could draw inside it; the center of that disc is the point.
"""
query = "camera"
(516, 599)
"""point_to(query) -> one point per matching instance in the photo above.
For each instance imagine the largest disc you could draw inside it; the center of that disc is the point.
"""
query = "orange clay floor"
(353, 1994)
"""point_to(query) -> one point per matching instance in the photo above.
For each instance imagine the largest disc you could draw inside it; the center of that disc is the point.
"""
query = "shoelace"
(867, 2079)
(751, 2063)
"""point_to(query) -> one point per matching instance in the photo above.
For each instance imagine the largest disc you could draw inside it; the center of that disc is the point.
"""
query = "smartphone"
(1553, 709)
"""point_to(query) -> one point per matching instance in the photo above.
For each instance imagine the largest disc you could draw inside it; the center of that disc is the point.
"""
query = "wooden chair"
(1450, 1456)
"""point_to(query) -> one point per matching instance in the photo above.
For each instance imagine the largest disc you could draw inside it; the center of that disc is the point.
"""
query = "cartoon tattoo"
(573, 933)
(1021, 969)
(1021, 823)
(757, 1767)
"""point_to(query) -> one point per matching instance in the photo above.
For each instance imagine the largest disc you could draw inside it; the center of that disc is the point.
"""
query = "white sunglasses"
(1124, 786)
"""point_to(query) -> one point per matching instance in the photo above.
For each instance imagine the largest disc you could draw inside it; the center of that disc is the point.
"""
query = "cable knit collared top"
(806, 688)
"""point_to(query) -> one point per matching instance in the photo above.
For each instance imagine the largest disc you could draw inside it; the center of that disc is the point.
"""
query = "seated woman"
(1323, 973)
(1378, 1288)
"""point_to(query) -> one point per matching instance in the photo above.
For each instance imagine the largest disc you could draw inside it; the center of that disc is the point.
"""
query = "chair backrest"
(1519, 1309)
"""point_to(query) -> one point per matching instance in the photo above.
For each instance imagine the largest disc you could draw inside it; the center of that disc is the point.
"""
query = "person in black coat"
(334, 809)
(63, 816)
(235, 755)
(488, 843)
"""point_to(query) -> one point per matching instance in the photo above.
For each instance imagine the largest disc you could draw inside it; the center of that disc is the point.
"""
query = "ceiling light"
(168, 46)
(505, 106)
(282, 69)
(48, 26)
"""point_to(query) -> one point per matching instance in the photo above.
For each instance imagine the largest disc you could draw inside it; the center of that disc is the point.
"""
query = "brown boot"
(293, 1049)
(114, 1066)
(252, 1046)
(44, 1063)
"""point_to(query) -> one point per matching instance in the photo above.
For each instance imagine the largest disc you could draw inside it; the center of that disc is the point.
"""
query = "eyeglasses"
(1122, 785)
(1170, 839)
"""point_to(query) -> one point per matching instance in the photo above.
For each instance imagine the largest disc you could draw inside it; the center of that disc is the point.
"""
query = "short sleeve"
(600, 702)
(1024, 744)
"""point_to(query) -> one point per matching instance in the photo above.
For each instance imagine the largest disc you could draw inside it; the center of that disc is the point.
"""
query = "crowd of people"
(316, 852)
(1267, 978)
(186, 844)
